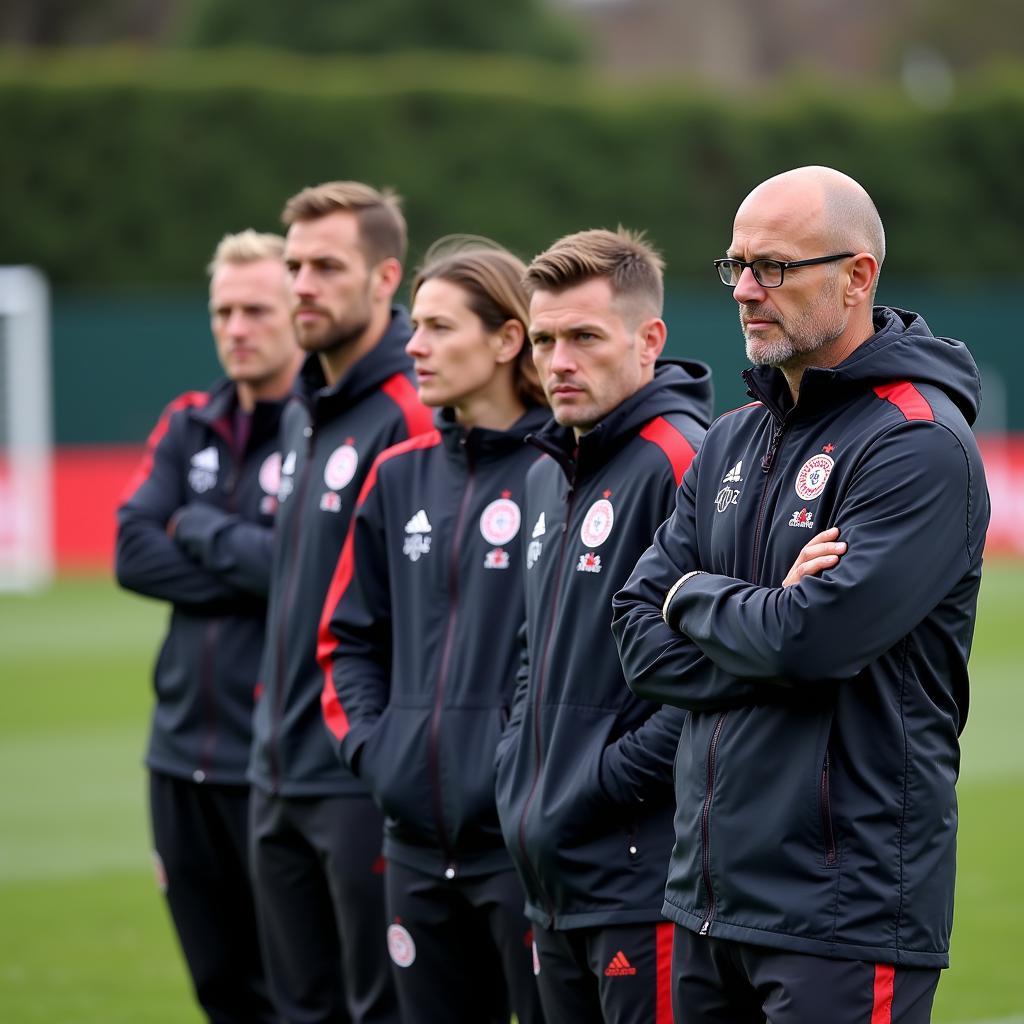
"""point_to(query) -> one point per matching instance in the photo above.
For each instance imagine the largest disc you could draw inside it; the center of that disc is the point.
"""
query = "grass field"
(84, 936)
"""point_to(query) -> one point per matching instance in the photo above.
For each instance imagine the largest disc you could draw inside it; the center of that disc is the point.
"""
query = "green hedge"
(122, 167)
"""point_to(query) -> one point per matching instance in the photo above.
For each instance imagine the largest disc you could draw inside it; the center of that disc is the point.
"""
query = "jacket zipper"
(542, 676)
(210, 638)
(298, 497)
(705, 833)
(826, 816)
(209, 700)
(768, 468)
(442, 675)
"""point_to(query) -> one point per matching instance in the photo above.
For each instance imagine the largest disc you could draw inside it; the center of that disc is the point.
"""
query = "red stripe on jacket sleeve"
(907, 399)
(418, 418)
(188, 400)
(678, 450)
(664, 936)
(881, 1006)
(327, 643)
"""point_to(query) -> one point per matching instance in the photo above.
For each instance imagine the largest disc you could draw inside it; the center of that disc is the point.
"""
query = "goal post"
(26, 431)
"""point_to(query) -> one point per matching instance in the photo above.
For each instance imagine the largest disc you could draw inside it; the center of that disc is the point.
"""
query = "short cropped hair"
(382, 230)
(492, 279)
(246, 247)
(633, 267)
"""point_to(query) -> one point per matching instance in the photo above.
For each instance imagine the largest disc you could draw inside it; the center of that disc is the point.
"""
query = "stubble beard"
(814, 329)
(332, 336)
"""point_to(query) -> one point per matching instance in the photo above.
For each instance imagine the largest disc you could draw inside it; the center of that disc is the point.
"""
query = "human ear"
(861, 282)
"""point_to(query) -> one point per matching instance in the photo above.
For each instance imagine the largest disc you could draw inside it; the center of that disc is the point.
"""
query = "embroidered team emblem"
(203, 474)
(270, 474)
(499, 522)
(497, 558)
(803, 518)
(734, 476)
(341, 467)
(330, 502)
(597, 523)
(589, 562)
(401, 947)
(813, 476)
(417, 540)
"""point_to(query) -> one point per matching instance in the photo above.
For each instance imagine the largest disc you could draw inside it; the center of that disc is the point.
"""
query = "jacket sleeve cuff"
(673, 590)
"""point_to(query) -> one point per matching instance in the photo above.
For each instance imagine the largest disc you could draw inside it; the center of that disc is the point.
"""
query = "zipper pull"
(773, 447)
(449, 872)
(705, 927)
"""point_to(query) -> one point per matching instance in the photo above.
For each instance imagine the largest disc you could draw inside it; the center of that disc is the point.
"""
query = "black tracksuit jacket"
(215, 573)
(329, 439)
(419, 639)
(815, 774)
(584, 769)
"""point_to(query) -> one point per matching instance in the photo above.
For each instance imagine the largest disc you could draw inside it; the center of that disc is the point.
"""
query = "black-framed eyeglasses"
(768, 273)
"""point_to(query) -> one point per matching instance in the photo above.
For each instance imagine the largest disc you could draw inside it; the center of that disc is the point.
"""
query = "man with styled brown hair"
(315, 832)
(584, 781)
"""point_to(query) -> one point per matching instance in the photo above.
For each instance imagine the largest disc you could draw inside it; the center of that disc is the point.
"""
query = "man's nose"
(747, 289)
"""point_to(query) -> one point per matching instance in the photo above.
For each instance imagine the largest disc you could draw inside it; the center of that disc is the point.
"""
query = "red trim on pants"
(881, 1008)
(664, 935)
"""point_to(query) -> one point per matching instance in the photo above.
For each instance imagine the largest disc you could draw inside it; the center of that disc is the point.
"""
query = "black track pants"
(319, 884)
(199, 838)
(718, 981)
(462, 949)
(618, 974)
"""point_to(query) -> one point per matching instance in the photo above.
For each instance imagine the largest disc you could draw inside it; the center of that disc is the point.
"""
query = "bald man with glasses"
(826, 678)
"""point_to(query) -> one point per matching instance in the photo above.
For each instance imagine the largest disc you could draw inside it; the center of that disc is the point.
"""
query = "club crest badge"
(341, 467)
(401, 947)
(813, 476)
(499, 522)
(597, 524)
(270, 474)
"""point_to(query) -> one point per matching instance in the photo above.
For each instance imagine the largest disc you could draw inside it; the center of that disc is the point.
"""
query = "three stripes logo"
(619, 966)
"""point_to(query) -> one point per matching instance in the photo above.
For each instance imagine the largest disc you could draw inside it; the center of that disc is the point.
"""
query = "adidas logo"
(207, 459)
(539, 527)
(419, 523)
(619, 966)
(733, 476)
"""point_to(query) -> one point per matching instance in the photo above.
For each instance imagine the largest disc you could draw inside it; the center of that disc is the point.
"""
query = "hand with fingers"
(821, 552)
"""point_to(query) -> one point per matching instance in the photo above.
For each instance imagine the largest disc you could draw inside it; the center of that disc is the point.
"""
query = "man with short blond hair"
(195, 531)
(584, 768)
(316, 834)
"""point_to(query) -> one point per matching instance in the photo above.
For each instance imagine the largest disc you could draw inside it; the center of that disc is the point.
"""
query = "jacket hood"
(902, 348)
(679, 386)
(383, 361)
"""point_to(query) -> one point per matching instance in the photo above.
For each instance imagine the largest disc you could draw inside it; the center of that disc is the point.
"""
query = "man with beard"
(315, 831)
(826, 682)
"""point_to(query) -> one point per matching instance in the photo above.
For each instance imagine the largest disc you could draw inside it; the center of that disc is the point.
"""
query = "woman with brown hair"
(419, 643)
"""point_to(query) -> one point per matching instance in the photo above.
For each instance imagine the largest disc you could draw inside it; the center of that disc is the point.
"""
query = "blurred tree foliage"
(376, 26)
(122, 167)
